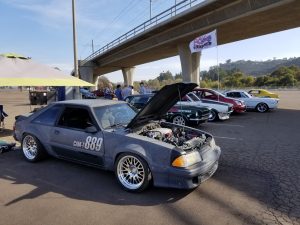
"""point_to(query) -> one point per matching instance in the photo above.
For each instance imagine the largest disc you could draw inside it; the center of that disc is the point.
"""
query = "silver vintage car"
(138, 146)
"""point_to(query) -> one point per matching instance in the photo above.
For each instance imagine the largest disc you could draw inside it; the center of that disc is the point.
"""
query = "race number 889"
(93, 143)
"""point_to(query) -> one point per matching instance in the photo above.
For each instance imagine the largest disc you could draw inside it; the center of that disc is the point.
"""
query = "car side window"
(77, 118)
(49, 116)
(230, 94)
(236, 94)
(254, 92)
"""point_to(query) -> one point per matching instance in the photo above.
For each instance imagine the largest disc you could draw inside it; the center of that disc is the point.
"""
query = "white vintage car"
(259, 104)
(219, 110)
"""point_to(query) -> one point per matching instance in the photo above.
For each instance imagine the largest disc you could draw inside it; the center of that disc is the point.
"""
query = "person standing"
(142, 88)
(126, 91)
(118, 92)
(108, 92)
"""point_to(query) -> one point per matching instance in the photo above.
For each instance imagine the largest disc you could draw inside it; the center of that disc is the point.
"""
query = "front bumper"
(224, 116)
(191, 177)
(239, 109)
(199, 119)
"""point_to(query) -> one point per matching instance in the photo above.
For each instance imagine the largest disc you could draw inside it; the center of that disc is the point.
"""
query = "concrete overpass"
(234, 20)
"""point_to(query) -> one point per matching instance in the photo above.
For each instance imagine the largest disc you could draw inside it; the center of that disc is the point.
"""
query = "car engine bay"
(178, 136)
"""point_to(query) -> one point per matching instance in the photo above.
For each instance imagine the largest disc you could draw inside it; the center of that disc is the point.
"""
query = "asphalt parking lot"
(258, 181)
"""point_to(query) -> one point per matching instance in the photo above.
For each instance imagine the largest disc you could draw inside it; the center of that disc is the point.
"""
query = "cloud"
(58, 14)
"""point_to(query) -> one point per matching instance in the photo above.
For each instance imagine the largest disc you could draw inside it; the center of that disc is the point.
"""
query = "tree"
(165, 76)
(287, 80)
(154, 84)
(178, 76)
(247, 81)
(103, 82)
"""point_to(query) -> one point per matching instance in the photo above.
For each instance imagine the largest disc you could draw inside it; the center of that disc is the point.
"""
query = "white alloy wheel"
(212, 116)
(179, 120)
(132, 172)
(29, 147)
(262, 107)
(32, 148)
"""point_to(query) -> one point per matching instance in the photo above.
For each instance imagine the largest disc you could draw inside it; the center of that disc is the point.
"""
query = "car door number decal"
(91, 143)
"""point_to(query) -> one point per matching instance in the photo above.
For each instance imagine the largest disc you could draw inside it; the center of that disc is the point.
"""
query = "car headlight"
(212, 143)
(196, 114)
(187, 160)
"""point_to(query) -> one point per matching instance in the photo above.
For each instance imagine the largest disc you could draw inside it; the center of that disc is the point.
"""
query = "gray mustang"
(111, 135)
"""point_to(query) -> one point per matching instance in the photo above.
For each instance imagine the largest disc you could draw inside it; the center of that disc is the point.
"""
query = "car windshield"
(193, 97)
(245, 95)
(114, 115)
(219, 93)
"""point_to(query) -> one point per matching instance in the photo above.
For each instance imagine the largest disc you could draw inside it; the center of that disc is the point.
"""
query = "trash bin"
(32, 98)
(38, 97)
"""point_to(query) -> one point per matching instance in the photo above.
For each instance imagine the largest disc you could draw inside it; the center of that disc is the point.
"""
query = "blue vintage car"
(111, 135)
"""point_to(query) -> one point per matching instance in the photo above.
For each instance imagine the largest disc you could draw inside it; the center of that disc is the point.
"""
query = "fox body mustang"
(111, 135)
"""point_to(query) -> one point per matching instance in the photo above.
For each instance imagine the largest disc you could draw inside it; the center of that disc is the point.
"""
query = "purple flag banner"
(204, 41)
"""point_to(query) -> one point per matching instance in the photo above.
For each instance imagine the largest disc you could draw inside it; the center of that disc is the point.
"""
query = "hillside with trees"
(259, 68)
(239, 74)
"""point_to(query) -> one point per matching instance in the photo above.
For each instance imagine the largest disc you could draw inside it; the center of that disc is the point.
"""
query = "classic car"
(111, 135)
(209, 94)
(262, 93)
(219, 110)
(178, 114)
(259, 104)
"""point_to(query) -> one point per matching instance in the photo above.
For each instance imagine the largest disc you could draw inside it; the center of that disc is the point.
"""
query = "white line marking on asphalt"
(231, 125)
(230, 138)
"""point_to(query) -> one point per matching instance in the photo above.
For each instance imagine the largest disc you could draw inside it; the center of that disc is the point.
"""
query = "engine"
(176, 136)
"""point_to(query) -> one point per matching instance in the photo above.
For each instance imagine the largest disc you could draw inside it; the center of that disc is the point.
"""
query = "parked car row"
(242, 100)
(192, 109)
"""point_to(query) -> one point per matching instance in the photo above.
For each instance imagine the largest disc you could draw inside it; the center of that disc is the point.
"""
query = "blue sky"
(42, 29)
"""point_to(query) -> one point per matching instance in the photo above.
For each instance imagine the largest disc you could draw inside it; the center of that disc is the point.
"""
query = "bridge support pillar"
(86, 72)
(128, 75)
(190, 64)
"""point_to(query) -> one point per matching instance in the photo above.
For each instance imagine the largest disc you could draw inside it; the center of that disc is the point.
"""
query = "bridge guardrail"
(171, 12)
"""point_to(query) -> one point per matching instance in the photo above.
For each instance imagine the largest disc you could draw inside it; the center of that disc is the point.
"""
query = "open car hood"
(161, 102)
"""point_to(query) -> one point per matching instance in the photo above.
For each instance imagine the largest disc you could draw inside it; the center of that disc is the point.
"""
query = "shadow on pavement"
(77, 181)
(6, 132)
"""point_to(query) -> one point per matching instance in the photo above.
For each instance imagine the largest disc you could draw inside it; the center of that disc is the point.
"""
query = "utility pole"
(74, 40)
(93, 46)
(76, 94)
(150, 9)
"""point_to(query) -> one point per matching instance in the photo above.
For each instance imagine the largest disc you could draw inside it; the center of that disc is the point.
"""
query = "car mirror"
(91, 129)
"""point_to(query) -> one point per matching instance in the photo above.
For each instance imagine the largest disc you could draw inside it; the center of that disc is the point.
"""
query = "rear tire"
(32, 149)
(132, 172)
(262, 107)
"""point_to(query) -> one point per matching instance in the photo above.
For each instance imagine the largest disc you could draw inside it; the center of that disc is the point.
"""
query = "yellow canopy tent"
(17, 70)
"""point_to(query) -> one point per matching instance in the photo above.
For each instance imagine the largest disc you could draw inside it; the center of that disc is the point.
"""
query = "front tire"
(262, 107)
(33, 150)
(132, 172)
(180, 120)
(213, 116)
